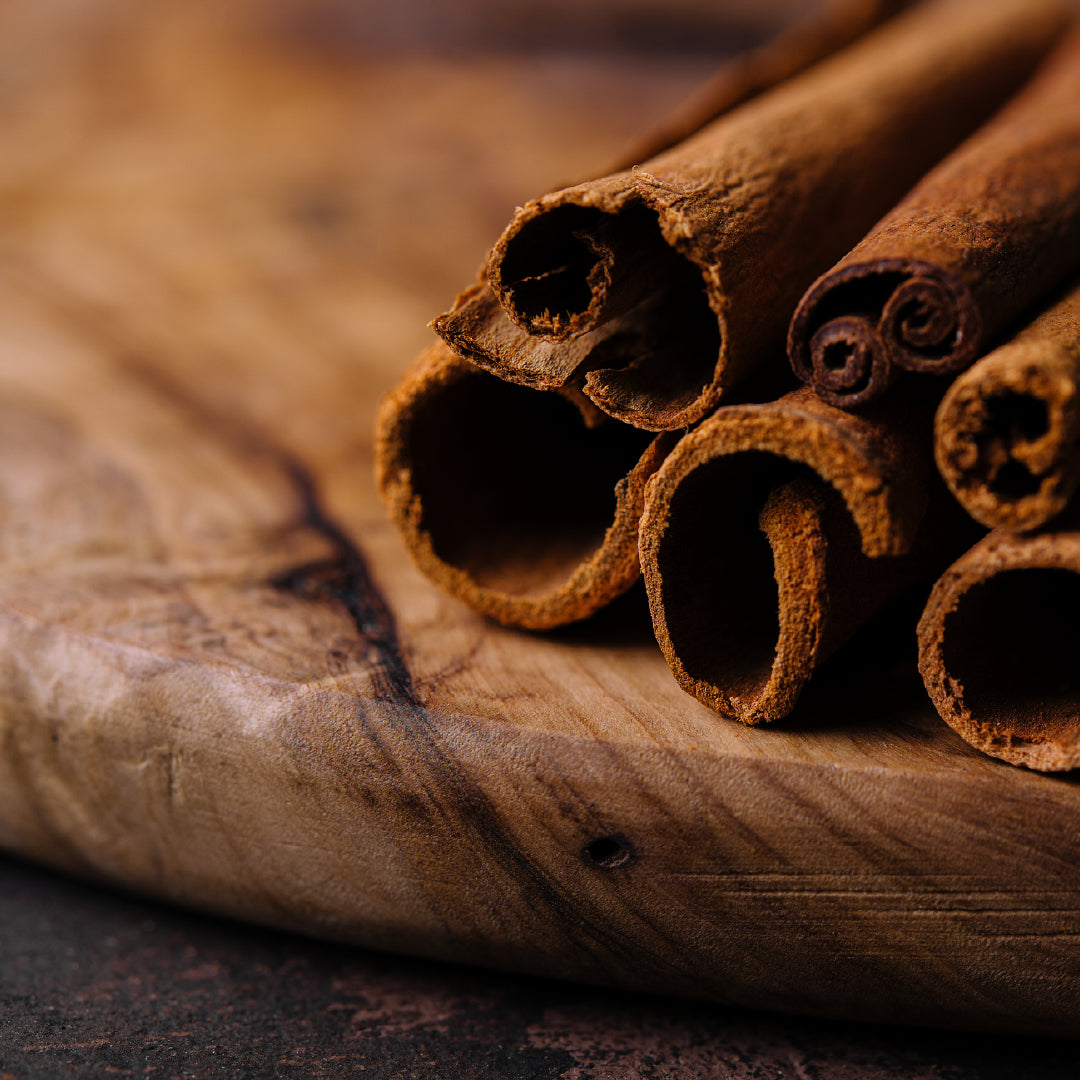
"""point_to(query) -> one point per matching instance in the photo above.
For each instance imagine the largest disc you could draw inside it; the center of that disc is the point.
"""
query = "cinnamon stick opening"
(652, 370)
(742, 574)
(998, 644)
(982, 237)
(576, 267)
(506, 497)
(550, 277)
(772, 532)
(1011, 648)
(759, 202)
(1015, 422)
(1006, 432)
(647, 340)
(516, 491)
(857, 326)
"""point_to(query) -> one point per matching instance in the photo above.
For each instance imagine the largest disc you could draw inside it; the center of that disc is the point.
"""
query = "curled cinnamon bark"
(523, 505)
(998, 644)
(977, 242)
(772, 532)
(1007, 433)
(737, 220)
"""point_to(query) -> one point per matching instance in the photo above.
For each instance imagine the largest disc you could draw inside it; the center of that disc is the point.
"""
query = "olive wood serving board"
(221, 681)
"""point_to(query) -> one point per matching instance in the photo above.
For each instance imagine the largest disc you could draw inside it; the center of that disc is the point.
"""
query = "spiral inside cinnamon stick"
(506, 497)
(922, 324)
(848, 357)
(758, 203)
(998, 648)
(982, 238)
(860, 324)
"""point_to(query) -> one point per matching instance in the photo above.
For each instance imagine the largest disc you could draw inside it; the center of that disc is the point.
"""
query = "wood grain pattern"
(221, 681)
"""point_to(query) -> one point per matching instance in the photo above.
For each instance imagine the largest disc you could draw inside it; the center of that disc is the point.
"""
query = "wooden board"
(221, 682)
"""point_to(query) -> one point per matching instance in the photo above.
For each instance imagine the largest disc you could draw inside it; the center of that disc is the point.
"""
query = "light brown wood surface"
(221, 681)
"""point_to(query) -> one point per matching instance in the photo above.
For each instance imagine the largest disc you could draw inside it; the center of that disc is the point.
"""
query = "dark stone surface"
(96, 984)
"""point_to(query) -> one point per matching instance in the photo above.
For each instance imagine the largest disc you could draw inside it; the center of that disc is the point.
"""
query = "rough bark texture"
(973, 247)
(774, 531)
(832, 26)
(998, 644)
(736, 221)
(506, 497)
(1007, 431)
(530, 579)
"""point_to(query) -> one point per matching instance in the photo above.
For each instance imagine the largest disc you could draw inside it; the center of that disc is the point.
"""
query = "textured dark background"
(95, 984)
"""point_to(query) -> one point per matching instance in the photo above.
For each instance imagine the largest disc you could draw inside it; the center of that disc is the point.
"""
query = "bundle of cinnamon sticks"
(866, 206)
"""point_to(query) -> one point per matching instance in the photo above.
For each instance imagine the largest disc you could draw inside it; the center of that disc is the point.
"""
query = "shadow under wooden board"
(221, 681)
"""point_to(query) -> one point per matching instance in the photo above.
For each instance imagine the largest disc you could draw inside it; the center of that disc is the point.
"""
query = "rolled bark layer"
(772, 532)
(972, 248)
(1007, 433)
(998, 648)
(516, 502)
(737, 220)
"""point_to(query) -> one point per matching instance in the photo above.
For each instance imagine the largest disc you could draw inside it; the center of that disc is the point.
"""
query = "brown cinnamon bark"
(516, 502)
(772, 532)
(825, 30)
(974, 246)
(998, 647)
(737, 220)
(1007, 433)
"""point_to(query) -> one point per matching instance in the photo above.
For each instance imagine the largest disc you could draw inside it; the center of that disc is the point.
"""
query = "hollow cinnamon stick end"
(997, 649)
(552, 268)
(733, 556)
(506, 497)
(1005, 436)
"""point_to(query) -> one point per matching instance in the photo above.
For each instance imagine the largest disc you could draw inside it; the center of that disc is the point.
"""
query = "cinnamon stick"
(973, 247)
(826, 29)
(998, 644)
(512, 572)
(1007, 433)
(732, 224)
(523, 505)
(772, 532)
